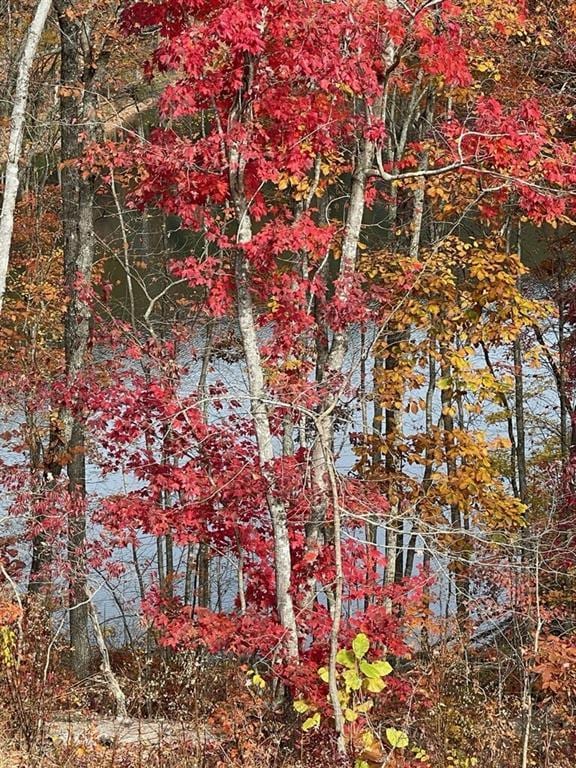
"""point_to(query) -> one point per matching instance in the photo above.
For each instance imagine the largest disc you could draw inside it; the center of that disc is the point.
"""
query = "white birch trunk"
(261, 422)
(17, 122)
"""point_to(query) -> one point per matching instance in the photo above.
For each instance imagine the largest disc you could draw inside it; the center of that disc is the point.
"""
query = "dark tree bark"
(77, 106)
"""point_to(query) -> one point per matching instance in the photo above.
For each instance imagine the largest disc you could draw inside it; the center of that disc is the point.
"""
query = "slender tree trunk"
(336, 604)
(282, 555)
(202, 574)
(41, 547)
(203, 585)
(460, 558)
(335, 358)
(160, 563)
(510, 424)
(520, 427)
(170, 572)
(190, 577)
(426, 480)
(79, 610)
(17, 121)
(260, 419)
(565, 440)
(403, 557)
(333, 364)
(376, 452)
(107, 671)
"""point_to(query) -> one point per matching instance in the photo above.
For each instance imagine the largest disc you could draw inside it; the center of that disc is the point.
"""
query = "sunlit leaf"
(382, 667)
(374, 684)
(352, 679)
(346, 658)
(360, 645)
(397, 739)
(311, 722)
(368, 669)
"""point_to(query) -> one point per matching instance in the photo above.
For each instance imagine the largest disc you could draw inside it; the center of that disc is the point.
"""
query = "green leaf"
(350, 715)
(397, 739)
(366, 706)
(301, 706)
(258, 680)
(324, 675)
(374, 684)
(311, 722)
(352, 679)
(361, 764)
(382, 667)
(346, 658)
(368, 669)
(444, 383)
(360, 645)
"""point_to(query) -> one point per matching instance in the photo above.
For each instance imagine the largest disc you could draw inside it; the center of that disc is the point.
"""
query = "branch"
(419, 174)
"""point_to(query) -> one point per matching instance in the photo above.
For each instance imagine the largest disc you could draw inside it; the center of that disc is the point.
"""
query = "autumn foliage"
(287, 369)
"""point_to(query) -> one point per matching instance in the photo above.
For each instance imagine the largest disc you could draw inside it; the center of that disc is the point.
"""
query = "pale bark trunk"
(257, 391)
(106, 667)
(17, 122)
(336, 354)
(260, 418)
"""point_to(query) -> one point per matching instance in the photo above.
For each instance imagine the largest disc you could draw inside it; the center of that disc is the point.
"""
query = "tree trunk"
(106, 667)
(17, 121)
(337, 352)
(76, 104)
(282, 554)
(259, 411)
(520, 427)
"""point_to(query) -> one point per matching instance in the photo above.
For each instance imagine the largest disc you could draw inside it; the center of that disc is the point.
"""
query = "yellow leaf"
(311, 722)
(360, 645)
(397, 739)
(301, 706)
(258, 681)
(374, 684)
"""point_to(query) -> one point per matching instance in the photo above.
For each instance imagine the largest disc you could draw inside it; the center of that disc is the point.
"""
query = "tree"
(17, 123)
